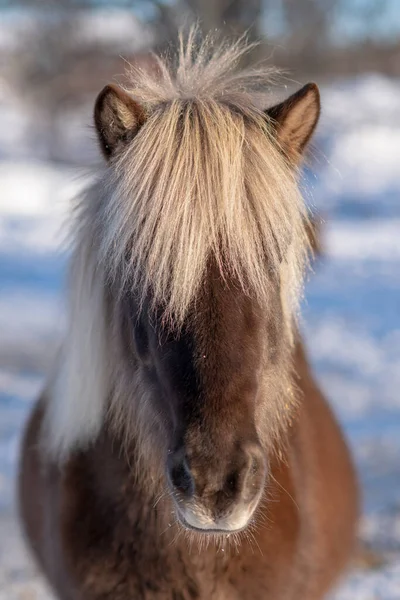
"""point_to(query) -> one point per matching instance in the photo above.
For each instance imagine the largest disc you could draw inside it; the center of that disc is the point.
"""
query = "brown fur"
(90, 523)
(182, 449)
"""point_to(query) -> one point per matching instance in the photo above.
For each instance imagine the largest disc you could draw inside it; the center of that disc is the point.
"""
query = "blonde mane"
(203, 179)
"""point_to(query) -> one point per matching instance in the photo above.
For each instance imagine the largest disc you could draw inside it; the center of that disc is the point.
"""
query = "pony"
(181, 448)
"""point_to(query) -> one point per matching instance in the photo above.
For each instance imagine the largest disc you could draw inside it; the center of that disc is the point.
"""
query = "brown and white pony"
(182, 449)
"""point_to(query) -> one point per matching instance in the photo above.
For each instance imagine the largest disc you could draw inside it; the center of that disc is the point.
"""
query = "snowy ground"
(351, 313)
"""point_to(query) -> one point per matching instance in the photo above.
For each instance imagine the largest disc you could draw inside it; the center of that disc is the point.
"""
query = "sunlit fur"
(203, 179)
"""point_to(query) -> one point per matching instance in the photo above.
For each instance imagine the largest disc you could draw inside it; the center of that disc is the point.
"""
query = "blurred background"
(55, 56)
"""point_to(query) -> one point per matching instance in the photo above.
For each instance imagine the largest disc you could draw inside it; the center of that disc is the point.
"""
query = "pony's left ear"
(117, 119)
(295, 119)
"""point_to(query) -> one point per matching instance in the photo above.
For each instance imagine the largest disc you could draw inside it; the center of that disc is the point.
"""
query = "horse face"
(208, 388)
(220, 384)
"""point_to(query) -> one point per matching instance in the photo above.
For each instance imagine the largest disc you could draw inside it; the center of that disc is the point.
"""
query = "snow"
(351, 316)
(116, 26)
(359, 147)
(378, 239)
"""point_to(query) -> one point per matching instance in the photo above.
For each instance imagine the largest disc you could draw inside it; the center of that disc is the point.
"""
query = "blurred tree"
(304, 35)
(235, 17)
(62, 60)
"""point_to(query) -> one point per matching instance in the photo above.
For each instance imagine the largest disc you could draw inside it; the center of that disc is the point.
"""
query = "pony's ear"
(117, 118)
(295, 119)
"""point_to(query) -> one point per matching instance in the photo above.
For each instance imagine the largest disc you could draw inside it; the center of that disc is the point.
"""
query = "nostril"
(232, 483)
(181, 478)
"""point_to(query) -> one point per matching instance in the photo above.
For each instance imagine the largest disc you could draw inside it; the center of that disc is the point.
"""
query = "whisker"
(286, 492)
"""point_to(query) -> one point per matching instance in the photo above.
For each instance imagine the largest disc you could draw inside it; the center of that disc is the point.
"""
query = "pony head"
(188, 265)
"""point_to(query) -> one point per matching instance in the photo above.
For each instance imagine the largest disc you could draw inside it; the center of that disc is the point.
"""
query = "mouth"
(208, 530)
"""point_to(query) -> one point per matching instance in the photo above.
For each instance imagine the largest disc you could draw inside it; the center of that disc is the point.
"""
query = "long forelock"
(204, 179)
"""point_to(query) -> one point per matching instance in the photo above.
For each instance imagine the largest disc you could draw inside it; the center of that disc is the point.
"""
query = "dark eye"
(141, 339)
(133, 329)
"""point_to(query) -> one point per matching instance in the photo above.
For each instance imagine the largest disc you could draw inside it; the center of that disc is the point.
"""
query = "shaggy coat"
(181, 449)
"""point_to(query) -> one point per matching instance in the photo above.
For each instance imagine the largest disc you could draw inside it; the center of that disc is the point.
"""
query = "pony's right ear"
(295, 119)
(117, 118)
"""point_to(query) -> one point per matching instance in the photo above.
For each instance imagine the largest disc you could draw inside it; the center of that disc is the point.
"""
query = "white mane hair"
(203, 178)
